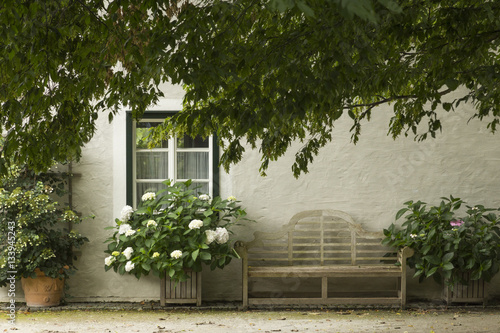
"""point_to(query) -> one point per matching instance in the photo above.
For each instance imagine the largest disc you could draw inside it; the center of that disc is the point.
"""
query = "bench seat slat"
(325, 271)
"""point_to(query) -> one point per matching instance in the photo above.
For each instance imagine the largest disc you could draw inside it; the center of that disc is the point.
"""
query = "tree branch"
(388, 100)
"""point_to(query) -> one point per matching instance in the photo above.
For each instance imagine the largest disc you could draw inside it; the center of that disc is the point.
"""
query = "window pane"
(142, 132)
(199, 188)
(151, 165)
(192, 165)
(189, 142)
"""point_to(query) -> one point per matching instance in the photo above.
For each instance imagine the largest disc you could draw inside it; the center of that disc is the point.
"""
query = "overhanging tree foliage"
(263, 72)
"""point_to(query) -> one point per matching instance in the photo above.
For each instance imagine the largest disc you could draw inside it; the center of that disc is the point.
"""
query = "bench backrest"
(319, 237)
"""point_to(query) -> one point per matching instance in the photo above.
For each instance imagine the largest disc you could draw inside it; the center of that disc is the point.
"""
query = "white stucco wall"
(370, 181)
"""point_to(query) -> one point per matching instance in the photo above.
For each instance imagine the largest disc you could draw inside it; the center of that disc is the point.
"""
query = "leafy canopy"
(266, 72)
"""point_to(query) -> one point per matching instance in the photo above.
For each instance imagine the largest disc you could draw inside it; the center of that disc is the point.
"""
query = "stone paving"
(226, 317)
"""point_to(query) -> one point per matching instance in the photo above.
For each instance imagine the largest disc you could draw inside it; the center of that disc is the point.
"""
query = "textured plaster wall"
(370, 181)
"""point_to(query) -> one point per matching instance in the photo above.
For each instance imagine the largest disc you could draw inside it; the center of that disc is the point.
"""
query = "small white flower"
(176, 254)
(195, 224)
(108, 261)
(231, 198)
(129, 266)
(151, 223)
(124, 227)
(128, 252)
(222, 236)
(156, 255)
(204, 197)
(148, 196)
(126, 213)
(129, 233)
(413, 235)
(211, 235)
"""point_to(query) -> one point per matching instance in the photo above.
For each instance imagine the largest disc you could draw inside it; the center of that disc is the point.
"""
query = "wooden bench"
(323, 245)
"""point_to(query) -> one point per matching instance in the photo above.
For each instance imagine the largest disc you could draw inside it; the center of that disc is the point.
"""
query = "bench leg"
(324, 288)
(403, 290)
(245, 289)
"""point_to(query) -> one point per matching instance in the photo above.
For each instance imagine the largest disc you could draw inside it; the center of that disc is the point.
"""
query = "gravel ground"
(145, 319)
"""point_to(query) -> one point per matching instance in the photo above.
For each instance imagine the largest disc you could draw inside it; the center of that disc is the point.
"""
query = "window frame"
(131, 154)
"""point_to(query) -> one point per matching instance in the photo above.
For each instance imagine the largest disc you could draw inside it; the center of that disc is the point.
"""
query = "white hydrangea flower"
(221, 235)
(108, 261)
(211, 236)
(231, 198)
(129, 233)
(128, 252)
(176, 254)
(151, 223)
(156, 255)
(126, 213)
(204, 197)
(148, 196)
(195, 224)
(124, 227)
(129, 266)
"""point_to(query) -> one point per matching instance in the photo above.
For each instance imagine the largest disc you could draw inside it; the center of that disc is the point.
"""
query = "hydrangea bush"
(171, 231)
(34, 229)
(448, 245)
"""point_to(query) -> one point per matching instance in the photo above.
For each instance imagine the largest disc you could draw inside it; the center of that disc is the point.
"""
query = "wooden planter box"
(474, 292)
(188, 292)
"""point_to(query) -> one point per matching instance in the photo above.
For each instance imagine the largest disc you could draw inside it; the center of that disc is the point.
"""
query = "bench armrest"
(405, 253)
(240, 248)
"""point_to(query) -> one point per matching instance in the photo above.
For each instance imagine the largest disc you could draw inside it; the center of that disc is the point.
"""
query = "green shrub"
(446, 245)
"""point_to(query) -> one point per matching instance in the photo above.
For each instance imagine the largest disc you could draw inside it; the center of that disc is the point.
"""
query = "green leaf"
(433, 259)
(448, 266)
(195, 253)
(401, 212)
(452, 83)
(418, 273)
(431, 272)
(393, 6)
(205, 256)
(302, 5)
(146, 266)
(476, 274)
(282, 5)
(470, 264)
(486, 265)
(431, 233)
(447, 257)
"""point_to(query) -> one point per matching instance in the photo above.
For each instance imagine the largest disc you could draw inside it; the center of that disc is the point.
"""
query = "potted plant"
(450, 247)
(36, 244)
(173, 232)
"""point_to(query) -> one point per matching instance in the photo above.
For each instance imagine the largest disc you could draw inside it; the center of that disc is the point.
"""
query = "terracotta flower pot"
(43, 290)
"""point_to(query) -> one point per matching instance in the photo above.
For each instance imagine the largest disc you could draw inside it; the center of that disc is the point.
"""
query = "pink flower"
(456, 223)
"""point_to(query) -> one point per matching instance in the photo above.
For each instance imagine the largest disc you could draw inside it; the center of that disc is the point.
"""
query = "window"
(178, 159)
